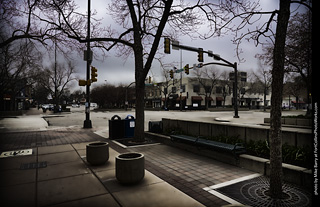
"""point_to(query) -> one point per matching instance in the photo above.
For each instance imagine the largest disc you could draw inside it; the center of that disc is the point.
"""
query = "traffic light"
(171, 73)
(186, 69)
(149, 79)
(200, 55)
(82, 82)
(94, 74)
(167, 45)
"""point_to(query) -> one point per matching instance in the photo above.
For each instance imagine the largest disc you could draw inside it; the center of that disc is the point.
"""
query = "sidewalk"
(58, 175)
(68, 180)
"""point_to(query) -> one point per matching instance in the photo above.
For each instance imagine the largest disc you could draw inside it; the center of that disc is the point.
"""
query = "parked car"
(47, 107)
(75, 105)
(94, 105)
(50, 107)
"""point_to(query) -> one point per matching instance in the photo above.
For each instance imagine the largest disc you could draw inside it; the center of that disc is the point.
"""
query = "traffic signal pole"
(87, 122)
(200, 51)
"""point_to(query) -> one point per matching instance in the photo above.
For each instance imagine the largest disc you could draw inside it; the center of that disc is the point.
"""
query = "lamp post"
(87, 122)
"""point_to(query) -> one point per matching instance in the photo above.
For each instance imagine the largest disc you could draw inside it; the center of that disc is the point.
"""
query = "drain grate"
(254, 193)
(33, 165)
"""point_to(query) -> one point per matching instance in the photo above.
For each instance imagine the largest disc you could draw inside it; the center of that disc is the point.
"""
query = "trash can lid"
(129, 117)
(116, 116)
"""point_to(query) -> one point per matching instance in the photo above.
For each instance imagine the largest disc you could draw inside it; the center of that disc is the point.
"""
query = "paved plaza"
(186, 173)
(56, 172)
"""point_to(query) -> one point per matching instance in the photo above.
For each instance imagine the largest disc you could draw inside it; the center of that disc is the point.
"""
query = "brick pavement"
(189, 172)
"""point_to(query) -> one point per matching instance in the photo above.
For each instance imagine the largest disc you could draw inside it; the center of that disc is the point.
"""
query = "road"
(37, 120)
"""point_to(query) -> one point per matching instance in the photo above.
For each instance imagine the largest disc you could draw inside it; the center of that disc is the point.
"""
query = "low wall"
(293, 174)
(293, 121)
(246, 133)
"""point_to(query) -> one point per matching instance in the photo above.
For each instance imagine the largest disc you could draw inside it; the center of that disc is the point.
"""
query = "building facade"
(199, 94)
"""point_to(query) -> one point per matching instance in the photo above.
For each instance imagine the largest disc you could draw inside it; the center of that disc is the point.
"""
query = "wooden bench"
(236, 149)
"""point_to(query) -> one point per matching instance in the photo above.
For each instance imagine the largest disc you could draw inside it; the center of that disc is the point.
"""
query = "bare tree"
(263, 78)
(164, 87)
(258, 34)
(56, 78)
(208, 79)
(19, 67)
(298, 50)
(143, 25)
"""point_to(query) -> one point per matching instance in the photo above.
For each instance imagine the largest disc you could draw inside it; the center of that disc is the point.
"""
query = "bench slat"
(214, 144)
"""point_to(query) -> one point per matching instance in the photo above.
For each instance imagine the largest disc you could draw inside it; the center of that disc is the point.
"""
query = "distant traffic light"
(149, 79)
(200, 55)
(94, 74)
(186, 69)
(167, 45)
(171, 73)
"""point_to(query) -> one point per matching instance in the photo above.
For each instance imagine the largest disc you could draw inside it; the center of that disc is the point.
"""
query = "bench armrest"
(238, 144)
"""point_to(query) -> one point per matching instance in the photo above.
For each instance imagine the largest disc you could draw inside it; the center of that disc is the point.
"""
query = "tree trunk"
(139, 124)
(276, 176)
(142, 70)
(140, 90)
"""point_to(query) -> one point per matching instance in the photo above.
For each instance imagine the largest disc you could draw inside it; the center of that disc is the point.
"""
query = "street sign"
(175, 45)
(85, 55)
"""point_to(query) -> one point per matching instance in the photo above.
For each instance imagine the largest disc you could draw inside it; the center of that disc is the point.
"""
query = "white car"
(93, 105)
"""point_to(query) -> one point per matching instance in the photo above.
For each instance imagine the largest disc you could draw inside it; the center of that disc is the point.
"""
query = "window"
(196, 88)
(218, 89)
(243, 79)
(183, 87)
(207, 89)
(243, 74)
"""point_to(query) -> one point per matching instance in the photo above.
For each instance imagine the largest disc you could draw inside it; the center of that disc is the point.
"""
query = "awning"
(183, 98)
(299, 102)
(219, 98)
(196, 98)
(209, 98)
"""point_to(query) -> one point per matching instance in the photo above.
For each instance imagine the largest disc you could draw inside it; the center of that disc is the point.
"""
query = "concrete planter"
(97, 153)
(130, 168)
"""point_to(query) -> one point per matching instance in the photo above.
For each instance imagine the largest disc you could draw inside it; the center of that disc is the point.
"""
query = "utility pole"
(180, 104)
(87, 122)
(235, 90)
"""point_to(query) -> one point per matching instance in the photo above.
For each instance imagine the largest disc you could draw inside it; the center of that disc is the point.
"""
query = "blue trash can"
(129, 125)
(116, 128)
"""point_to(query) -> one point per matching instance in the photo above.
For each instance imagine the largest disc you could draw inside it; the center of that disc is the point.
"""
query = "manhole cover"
(33, 165)
(254, 193)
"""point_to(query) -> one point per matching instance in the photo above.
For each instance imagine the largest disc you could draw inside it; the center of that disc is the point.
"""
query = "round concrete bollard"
(97, 153)
(130, 168)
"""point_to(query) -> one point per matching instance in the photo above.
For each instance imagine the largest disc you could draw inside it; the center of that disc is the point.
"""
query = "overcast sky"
(115, 70)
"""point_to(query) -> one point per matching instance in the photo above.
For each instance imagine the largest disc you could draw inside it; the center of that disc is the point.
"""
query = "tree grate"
(254, 193)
